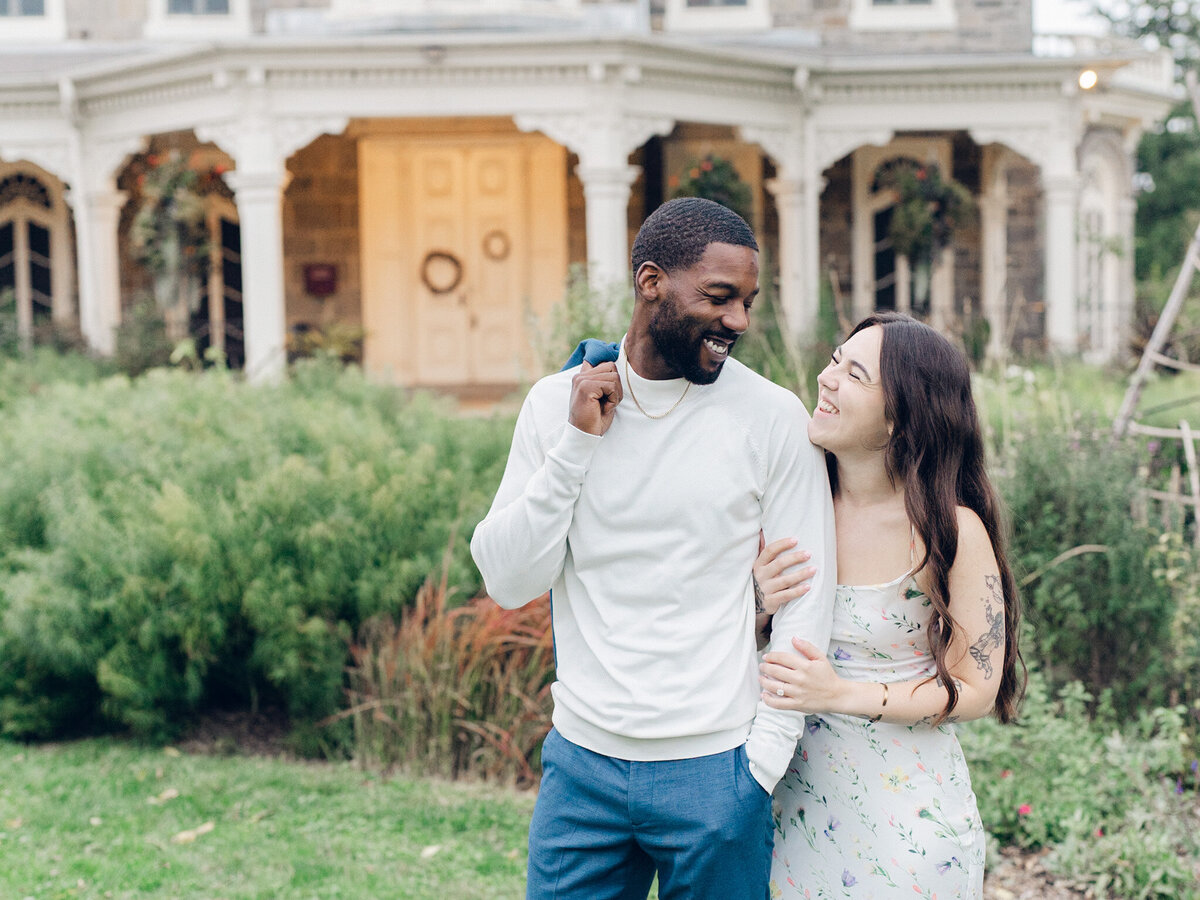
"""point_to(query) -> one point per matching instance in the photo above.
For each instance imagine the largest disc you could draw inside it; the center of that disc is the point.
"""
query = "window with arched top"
(33, 253)
(883, 277)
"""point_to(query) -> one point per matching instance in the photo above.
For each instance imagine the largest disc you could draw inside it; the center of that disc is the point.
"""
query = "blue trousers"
(602, 827)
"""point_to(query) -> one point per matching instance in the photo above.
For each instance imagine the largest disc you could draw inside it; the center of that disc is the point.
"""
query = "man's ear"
(649, 280)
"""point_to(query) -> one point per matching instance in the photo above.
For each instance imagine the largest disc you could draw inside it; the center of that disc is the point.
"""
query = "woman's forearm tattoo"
(993, 638)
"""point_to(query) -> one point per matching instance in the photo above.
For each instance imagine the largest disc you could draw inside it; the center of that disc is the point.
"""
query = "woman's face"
(849, 416)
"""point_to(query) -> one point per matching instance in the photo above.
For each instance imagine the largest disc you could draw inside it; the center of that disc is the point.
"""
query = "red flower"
(1099, 832)
(1006, 773)
(695, 173)
(1024, 809)
(919, 175)
(707, 165)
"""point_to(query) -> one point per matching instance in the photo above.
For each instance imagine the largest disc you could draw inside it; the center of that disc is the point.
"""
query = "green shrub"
(1101, 616)
(583, 313)
(1106, 793)
(185, 540)
(141, 339)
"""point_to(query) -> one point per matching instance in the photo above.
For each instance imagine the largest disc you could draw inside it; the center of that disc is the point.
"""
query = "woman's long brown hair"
(936, 452)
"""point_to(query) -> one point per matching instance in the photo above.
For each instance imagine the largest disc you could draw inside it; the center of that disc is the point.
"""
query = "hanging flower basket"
(169, 235)
(713, 178)
(929, 209)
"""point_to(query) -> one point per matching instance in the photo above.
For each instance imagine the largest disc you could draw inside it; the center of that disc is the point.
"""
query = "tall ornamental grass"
(183, 541)
(453, 691)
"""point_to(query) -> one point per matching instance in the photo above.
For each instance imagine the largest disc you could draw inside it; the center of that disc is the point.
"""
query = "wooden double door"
(461, 238)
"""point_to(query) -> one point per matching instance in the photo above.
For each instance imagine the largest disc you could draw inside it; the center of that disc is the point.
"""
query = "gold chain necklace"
(629, 384)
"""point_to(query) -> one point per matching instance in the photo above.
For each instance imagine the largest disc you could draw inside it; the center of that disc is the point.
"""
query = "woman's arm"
(975, 657)
(776, 581)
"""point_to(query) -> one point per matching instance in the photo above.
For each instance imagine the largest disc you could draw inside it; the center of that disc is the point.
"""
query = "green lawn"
(99, 819)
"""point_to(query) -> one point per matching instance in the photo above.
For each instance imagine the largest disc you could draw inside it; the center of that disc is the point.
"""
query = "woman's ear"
(649, 280)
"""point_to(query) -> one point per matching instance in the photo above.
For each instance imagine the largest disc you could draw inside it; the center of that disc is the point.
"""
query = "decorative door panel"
(439, 236)
(498, 253)
(449, 229)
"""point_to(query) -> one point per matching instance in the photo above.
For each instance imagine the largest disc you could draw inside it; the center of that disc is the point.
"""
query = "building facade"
(430, 170)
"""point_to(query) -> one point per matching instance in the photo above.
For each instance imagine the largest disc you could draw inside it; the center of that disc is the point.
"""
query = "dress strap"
(912, 545)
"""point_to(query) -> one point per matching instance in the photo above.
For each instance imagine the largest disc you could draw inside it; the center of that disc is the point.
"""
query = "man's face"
(703, 310)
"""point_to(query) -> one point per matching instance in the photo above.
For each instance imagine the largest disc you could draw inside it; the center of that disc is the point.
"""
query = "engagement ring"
(779, 691)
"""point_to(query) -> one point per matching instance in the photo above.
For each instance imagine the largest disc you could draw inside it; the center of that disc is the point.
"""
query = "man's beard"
(678, 341)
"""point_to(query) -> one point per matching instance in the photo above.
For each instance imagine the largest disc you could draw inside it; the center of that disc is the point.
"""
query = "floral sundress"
(876, 811)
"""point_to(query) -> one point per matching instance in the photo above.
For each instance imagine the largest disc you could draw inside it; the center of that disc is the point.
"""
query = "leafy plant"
(1106, 793)
(584, 312)
(1096, 612)
(141, 339)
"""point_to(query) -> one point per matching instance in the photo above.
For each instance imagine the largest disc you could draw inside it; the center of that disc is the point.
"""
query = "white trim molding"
(687, 15)
(51, 25)
(903, 15)
(197, 26)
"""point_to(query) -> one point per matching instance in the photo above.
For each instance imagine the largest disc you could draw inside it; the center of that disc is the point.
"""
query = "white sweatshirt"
(647, 536)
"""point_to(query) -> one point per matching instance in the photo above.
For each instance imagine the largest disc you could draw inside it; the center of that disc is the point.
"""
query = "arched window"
(32, 253)
(218, 322)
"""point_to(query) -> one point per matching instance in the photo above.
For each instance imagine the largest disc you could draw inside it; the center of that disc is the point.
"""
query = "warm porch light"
(1088, 79)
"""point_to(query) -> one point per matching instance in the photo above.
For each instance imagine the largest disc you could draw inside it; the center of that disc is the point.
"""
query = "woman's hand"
(803, 681)
(774, 584)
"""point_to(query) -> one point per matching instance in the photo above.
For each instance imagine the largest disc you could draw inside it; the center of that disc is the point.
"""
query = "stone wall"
(981, 26)
(105, 20)
(1025, 305)
(320, 225)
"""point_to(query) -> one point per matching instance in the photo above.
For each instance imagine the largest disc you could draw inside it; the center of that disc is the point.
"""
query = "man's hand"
(595, 393)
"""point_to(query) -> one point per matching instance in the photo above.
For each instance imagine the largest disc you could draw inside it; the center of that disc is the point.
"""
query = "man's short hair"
(676, 234)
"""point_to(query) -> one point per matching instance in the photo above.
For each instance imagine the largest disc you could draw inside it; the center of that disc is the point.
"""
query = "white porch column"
(260, 145)
(1060, 264)
(606, 191)
(259, 200)
(799, 305)
(797, 191)
(1126, 215)
(603, 138)
(993, 221)
(96, 221)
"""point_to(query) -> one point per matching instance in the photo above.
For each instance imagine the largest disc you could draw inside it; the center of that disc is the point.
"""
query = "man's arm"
(521, 544)
(797, 503)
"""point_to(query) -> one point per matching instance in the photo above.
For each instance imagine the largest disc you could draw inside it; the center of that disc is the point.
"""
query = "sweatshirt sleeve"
(521, 544)
(797, 503)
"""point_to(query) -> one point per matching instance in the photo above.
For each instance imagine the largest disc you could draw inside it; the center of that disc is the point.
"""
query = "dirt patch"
(1020, 875)
(238, 733)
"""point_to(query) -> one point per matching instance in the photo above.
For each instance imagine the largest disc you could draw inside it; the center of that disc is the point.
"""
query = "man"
(637, 491)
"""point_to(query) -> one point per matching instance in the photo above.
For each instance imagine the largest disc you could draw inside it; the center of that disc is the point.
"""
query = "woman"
(877, 801)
